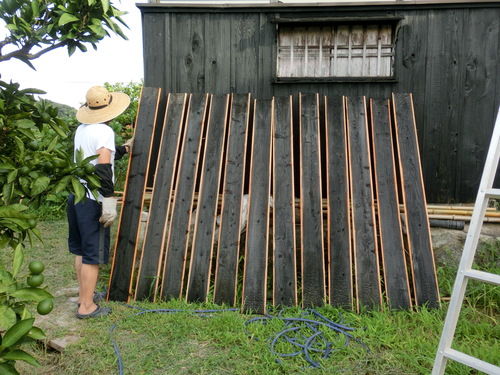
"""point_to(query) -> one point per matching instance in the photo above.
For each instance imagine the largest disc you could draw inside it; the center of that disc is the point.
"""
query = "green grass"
(393, 342)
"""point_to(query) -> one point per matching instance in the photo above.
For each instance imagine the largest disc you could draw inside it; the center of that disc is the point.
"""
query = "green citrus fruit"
(89, 168)
(32, 223)
(36, 267)
(35, 280)
(24, 170)
(46, 117)
(80, 172)
(59, 163)
(45, 306)
(47, 166)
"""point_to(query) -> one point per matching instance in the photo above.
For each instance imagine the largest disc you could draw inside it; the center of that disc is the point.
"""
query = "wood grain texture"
(311, 220)
(179, 229)
(339, 228)
(368, 289)
(284, 242)
(417, 223)
(231, 210)
(257, 235)
(206, 211)
(156, 227)
(390, 231)
(122, 268)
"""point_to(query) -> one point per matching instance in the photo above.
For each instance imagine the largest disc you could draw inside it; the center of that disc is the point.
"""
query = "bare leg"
(78, 268)
(87, 281)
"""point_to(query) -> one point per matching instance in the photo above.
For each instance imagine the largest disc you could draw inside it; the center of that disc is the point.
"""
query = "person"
(89, 220)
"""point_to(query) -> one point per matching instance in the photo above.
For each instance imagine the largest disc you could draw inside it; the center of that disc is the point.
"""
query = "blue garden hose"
(291, 333)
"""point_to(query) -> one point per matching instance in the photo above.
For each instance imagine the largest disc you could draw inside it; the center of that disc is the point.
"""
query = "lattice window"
(351, 50)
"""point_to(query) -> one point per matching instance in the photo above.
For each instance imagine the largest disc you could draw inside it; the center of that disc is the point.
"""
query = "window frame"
(331, 21)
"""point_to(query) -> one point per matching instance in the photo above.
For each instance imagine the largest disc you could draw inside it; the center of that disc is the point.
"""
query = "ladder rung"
(483, 276)
(472, 361)
(492, 193)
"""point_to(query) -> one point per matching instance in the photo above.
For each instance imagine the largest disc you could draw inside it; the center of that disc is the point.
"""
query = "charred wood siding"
(446, 55)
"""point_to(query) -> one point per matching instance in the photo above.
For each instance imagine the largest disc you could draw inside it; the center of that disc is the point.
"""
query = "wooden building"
(445, 53)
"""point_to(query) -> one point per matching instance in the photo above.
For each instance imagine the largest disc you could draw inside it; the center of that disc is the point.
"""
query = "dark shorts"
(87, 237)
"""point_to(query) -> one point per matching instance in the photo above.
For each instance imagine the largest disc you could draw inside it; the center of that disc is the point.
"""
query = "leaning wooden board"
(206, 211)
(396, 282)
(156, 226)
(365, 250)
(311, 214)
(122, 268)
(339, 228)
(230, 227)
(417, 223)
(179, 228)
(284, 263)
(257, 236)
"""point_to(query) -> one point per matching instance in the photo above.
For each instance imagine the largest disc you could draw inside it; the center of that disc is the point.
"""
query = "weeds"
(394, 342)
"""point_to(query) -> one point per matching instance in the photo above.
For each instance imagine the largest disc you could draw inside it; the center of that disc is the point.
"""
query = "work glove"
(129, 143)
(108, 215)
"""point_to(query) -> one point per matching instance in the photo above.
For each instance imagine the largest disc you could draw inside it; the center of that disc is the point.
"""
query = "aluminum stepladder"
(465, 271)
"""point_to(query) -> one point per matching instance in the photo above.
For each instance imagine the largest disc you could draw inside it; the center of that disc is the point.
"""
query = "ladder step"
(473, 362)
(483, 276)
(492, 193)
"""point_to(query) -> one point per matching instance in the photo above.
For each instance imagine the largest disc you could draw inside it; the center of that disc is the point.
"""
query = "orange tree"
(34, 161)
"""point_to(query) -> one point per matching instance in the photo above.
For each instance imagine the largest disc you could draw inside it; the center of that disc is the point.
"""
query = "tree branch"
(24, 52)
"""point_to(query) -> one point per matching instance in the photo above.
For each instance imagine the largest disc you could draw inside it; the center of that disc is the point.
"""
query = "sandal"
(97, 313)
(98, 297)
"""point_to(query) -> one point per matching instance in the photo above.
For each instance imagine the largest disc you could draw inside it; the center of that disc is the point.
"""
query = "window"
(336, 51)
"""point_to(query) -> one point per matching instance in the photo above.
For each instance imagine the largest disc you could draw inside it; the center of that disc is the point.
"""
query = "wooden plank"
(396, 282)
(417, 223)
(284, 263)
(257, 236)
(365, 250)
(311, 216)
(206, 211)
(179, 228)
(122, 268)
(230, 221)
(339, 229)
(156, 226)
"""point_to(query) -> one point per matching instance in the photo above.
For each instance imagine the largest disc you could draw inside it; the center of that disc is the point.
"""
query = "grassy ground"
(384, 342)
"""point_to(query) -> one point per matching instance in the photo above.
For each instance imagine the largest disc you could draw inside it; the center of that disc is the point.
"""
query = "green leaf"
(67, 18)
(16, 332)
(8, 369)
(12, 176)
(78, 188)
(24, 123)
(36, 333)
(53, 144)
(105, 5)
(39, 185)
(21, 355)
(58, 129)
(31, 294)
(7, 318)
(79, 155)
(18, 259)
(7, 190)
(61, 185)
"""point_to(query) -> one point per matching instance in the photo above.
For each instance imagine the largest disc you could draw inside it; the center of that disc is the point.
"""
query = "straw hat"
(102, 105)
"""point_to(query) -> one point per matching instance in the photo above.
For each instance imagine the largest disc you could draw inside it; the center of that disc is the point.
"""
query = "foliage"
(39, 26)
(16, 321)
(32, 163)
(36, 161)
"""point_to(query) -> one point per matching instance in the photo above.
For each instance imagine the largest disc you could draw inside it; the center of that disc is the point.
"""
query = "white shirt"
(92, 137)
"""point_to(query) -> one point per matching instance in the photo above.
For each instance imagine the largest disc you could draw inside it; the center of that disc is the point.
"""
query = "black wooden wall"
(447, 56)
